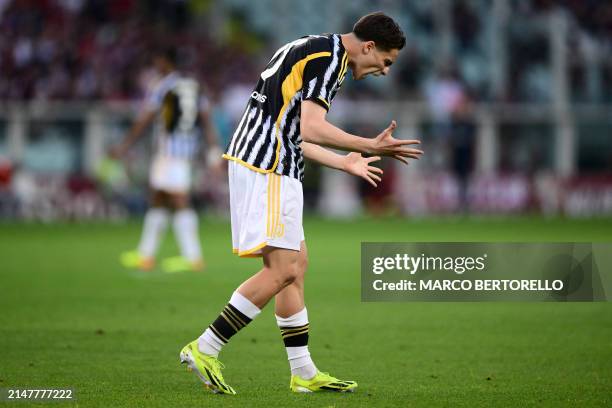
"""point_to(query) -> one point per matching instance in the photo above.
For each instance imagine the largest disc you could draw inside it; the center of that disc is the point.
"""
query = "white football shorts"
(170, 174)
(266, 210)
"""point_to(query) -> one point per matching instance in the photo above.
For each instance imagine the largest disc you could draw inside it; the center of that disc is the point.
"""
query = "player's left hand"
(359, 166)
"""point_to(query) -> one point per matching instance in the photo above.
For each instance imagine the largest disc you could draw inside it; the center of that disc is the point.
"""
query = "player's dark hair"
(168, 53)
(381, 29)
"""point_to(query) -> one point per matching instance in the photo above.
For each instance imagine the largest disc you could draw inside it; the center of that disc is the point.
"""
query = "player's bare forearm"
(137, 130)
(213, 152)
(352, 163)
(316, 129)
(322, 155)
(212, 137)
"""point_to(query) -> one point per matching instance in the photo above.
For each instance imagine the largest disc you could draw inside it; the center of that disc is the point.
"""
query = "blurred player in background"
(182, 113)
(285, 121)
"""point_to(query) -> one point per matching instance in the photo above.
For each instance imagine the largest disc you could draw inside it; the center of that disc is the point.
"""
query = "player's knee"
(290, 273)
(180, 202)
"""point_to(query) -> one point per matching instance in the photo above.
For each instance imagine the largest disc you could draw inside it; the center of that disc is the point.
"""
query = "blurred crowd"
(98, 49)
(527, 55)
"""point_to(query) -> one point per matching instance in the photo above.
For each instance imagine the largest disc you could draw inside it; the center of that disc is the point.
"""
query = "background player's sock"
(294, 330)
(235, 316)
(155, 223)
(185, 225)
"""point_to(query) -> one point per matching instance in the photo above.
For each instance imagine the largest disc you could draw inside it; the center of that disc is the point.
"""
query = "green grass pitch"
(70, 316)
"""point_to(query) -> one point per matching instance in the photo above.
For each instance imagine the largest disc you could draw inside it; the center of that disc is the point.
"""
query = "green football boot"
(321, 382)
(208, 368)
(133, 260)
(180, 264)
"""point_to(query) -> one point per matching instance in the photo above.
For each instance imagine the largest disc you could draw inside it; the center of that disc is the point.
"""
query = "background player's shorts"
(170, 174)
(266, 210)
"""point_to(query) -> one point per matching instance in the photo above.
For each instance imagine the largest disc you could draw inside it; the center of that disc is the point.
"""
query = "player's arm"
(352, 163)
(315, 128)
(213, 157)
(207, 126)
(210, 132)
(135, 132)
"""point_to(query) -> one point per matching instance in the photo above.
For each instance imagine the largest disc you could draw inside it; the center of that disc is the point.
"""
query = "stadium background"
(512, 100)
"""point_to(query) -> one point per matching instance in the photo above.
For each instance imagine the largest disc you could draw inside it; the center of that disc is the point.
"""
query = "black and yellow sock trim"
(295, 336)
(229, 322)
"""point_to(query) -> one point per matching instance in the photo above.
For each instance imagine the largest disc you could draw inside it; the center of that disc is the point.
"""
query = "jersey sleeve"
(320, 79)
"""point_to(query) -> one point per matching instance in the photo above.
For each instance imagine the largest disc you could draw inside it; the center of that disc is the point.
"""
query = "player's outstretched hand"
(386, 145)
(359, 166)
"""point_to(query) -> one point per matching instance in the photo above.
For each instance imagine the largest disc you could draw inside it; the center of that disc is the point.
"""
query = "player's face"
(162, 65)
(373, 61)
(159, 64)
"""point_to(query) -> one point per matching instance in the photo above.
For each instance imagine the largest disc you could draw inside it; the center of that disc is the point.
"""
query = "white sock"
(155, 223)
(243, 312)
(185, 225)
(299, 357)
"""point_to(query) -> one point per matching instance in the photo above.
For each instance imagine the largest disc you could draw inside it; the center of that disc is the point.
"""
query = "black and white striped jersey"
(177, 101)
(267, 138)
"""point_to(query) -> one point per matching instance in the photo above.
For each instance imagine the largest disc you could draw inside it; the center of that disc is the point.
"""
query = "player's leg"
(186, 231)
(280, 270)
(154, 226)
(292, 320)
(290, 300)
(266, 220)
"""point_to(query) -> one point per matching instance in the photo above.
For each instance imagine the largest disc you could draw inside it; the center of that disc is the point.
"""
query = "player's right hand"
(386, 145)
(116, 152)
